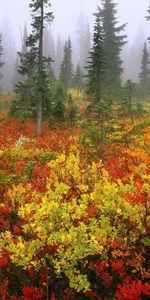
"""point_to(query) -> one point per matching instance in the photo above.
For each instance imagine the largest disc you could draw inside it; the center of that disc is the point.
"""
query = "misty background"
(70, 18)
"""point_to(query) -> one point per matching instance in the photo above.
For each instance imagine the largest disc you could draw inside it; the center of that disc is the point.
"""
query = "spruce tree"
(113, 43)
(96, 64)
(66, 70)
(33, 64)
(145, 72)
(1, 54)
(99, 111)
(78, 78)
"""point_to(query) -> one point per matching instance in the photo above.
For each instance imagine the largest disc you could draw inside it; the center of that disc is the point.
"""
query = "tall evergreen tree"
(145, 72)
(66, 70)
(1, 54)
(100, 104)
(78, 78)
(33, 63)
(96, 65)
(113, 43)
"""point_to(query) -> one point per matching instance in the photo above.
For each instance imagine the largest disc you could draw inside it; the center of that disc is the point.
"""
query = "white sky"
(66, 14)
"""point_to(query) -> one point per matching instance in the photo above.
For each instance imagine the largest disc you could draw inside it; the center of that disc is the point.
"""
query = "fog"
(66, 13)
(14, 13)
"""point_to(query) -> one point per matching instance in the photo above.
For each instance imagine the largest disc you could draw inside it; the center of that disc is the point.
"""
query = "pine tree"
(113, 43)
(100, 106)
(1, 54)
(96, 65)
(78, 78)
(145, 72)
(66, 70)
(33, 64)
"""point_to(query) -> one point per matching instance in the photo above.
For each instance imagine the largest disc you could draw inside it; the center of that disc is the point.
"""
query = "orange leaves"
(137, 155)
(4, 258)
(16, 230)
(59, 199)
(41, 170)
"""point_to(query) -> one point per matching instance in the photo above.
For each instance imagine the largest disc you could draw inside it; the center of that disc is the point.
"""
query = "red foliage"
(118, 266)
(132, 291)
(4, 258)
(68, 294)
(120, 165)
(32, 293)
(53, 297)
(92, 295)
(3, 289)
(16, 230)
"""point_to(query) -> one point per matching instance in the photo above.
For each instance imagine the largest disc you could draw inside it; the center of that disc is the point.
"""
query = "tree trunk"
(39, 119)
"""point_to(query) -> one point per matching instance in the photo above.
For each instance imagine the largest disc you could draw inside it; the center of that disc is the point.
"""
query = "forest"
(74, 165)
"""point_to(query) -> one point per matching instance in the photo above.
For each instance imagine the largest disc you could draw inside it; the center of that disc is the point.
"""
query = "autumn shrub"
(72, 226)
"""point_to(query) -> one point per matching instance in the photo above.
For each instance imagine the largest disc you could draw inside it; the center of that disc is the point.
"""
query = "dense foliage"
(71, 225)
(74, 199)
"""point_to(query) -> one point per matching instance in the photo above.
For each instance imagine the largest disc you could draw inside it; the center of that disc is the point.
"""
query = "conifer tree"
(100, 106)
(96, 65)
(1, 53)
(145, 72)
(66, 70)
(78, 78)
(33, 64)
(113, 43)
